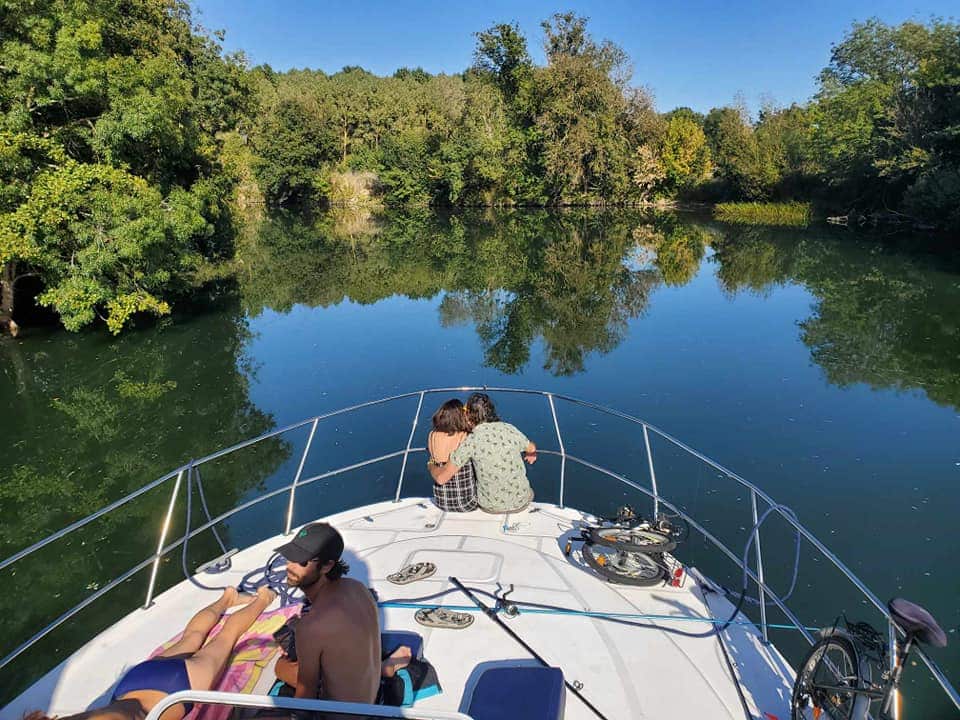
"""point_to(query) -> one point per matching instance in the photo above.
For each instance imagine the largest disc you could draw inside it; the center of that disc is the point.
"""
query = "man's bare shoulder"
(355, 585)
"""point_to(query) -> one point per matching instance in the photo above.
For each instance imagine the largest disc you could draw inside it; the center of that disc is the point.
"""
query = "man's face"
(300, 575)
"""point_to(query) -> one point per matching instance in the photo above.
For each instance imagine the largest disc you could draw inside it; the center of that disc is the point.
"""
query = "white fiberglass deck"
(626, 672)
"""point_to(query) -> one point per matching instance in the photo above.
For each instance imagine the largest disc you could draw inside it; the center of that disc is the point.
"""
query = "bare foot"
(266, 594)
(230, 596)
(398, 659)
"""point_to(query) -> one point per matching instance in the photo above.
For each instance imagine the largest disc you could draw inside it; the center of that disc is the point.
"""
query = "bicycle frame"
(886, 692)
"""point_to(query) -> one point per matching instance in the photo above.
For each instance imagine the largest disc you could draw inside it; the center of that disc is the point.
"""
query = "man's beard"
(303, 582)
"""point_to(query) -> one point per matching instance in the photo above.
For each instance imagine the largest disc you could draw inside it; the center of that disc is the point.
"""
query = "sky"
(698, 54)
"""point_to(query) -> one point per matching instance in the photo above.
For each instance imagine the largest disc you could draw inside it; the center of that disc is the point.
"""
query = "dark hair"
(339, 569)
(449, 418)
(480, 409)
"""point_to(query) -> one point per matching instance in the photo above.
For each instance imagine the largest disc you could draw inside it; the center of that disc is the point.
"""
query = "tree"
(648, 171)
(684, 153)
(885, 114)
(292, 142)
(113, 111)
(104, 241)
(581, 115)
(501, 53)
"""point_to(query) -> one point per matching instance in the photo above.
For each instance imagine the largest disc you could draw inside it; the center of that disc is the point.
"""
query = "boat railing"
(243, 700)
(188, 471)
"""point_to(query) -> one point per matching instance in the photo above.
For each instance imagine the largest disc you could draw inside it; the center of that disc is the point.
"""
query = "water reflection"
(87, 419)
(574, 280)
(883, 314)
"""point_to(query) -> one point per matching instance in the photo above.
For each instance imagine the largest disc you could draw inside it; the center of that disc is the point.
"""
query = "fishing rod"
(493, 615)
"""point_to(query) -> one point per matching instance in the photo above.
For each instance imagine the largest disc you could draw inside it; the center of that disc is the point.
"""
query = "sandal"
(412, 573)
(439, 618)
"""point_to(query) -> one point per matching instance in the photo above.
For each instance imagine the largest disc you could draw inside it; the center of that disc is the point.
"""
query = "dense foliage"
(882, 132)
(112, 187)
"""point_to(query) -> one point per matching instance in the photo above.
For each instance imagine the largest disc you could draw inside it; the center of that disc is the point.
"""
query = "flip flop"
(412, 573)
(439, 618)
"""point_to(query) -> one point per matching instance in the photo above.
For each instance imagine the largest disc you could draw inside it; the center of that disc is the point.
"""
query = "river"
(821, 365)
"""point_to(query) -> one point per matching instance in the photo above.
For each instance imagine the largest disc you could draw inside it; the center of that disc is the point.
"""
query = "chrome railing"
(765, 593)
(361, 710)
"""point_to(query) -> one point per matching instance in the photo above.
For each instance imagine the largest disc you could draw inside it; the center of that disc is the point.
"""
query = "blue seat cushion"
(524, 693)
(390, 640)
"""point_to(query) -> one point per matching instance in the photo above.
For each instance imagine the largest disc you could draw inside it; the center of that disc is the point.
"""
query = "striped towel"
(251, 655)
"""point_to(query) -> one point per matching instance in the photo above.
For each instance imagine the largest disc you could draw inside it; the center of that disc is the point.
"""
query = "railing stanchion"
(163, 533)
(759, 553)
(403, 465)
(653, 475)
(563, 452)
(892, 659)
(296, 478)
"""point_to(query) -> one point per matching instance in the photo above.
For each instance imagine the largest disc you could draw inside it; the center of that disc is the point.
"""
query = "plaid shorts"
(459, 494)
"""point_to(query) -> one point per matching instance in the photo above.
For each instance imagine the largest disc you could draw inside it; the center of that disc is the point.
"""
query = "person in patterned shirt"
(494, 447)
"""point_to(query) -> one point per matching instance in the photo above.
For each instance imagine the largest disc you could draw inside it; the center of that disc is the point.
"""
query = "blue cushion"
(524, 693)
(390, 640)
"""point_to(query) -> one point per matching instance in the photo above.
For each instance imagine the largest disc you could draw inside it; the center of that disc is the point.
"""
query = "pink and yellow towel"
(251, 655)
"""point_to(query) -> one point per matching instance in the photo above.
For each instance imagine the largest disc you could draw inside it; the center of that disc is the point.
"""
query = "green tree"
(886, 115)
(684, 153)
(581, 115)
(292, 142)
(109, 115)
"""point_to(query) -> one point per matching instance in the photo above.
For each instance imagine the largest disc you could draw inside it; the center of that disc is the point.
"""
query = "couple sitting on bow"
(475, 459)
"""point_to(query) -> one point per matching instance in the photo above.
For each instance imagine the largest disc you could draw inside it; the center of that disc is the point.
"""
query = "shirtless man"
(338, 640)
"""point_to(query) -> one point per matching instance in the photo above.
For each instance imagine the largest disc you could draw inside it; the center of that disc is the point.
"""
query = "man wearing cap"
(338, 640)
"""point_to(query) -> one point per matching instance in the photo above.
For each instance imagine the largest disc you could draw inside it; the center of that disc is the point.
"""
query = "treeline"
(125, 132)
(882, 132)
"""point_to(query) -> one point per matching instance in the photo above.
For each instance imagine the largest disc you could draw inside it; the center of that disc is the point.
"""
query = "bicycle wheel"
(820, 692)
(625, 568)
(649, 542)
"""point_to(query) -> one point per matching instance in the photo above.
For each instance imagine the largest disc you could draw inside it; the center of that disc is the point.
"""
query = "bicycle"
(628, 549)
(836, 676)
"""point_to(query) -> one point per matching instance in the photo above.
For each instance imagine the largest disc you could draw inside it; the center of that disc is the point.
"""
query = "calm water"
(822, 366)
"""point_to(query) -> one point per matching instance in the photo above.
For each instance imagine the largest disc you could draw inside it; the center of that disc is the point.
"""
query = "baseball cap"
(317, 540)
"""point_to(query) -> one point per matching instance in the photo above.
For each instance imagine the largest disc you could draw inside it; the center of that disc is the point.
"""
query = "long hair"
(480, 409)
(339, 569)
(450, 418)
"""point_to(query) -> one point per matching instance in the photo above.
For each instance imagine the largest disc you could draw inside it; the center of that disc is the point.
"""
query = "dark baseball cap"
(317, 540)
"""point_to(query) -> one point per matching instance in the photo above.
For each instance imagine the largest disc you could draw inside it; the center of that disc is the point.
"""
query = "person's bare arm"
(442, 474)
(286, 671)
(531, 453)
(309, 649)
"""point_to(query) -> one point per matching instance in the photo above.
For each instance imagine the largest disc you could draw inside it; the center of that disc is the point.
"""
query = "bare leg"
(397, 660)
(208, 663)
(200, 625)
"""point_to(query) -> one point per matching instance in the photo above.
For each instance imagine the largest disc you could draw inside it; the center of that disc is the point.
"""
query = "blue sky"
(698, 54)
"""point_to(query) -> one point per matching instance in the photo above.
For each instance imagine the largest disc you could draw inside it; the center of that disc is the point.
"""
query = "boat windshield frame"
(187, 471)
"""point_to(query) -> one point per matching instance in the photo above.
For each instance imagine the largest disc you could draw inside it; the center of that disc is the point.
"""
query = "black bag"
(286, 638)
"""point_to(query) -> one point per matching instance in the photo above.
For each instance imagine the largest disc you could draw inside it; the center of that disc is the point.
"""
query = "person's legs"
(207, 664)
(200, 625)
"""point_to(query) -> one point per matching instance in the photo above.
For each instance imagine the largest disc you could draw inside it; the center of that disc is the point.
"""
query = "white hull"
(626, 672)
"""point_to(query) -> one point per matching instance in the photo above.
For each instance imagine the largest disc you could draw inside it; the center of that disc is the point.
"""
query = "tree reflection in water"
(883, 315)
(93, 419)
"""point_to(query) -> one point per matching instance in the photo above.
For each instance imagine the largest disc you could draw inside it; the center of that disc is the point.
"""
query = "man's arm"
(308, 663)
(286, 671)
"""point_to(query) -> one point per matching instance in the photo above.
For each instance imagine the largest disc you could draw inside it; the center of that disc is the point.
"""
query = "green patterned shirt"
(495, 449)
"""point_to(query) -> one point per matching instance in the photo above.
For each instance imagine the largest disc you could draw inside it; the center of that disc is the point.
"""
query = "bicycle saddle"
(915, 620)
